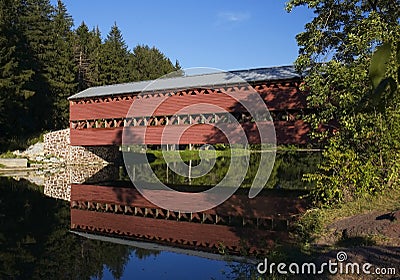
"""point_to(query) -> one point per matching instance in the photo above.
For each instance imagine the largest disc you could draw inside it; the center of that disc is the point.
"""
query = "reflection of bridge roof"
(203, 80)
(157, 247)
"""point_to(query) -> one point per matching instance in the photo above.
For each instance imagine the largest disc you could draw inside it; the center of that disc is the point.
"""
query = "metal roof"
(195, 81)
(148, 245)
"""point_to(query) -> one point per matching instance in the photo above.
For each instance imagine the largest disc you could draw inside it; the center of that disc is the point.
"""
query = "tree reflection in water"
(35, 242)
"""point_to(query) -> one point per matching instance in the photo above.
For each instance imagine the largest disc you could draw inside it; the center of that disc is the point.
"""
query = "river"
(91, 223)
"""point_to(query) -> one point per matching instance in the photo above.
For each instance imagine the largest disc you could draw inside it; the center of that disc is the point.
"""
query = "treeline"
(38, 246)
(44, 60)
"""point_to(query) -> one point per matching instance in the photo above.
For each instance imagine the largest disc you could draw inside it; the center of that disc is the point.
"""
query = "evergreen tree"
(114, 58)
(13, 79)
(87, 56)
(81, 54)
(35, 52)
(42, 62)
(95, 44)
(62, 69)
(149, 64)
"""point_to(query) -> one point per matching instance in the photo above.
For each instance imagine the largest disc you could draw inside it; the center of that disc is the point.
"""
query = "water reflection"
(238, 226)
(286, 174)
(36, 243)
(92, 224)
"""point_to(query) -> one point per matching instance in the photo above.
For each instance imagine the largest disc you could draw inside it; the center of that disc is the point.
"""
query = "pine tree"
(149, 64)
(95, 44)
(114, 58)
(62, 69)
(87, 56)
(35, 51)
(13, 78)
(42, 62)
(81, 54)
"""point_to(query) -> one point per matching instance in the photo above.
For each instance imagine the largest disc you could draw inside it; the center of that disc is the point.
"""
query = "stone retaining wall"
(57, 183)
(57, 143)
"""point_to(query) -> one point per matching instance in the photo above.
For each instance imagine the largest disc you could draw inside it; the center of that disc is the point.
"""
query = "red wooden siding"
(286, 133)
(208, 237)
(276, 99)
(268, 206)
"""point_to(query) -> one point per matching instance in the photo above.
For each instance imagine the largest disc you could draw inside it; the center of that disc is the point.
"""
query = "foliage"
(35, 241)
(286, 174)
(150, 63)
(114, 58)
(355, 94)
(308, 227)
(63, 82)
(43, 60)
(8, 154)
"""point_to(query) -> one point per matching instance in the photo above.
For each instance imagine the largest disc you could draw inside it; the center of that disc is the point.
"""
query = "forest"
(44, 59)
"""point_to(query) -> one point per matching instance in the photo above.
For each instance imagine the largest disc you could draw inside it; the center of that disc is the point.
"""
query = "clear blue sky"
(227, 35)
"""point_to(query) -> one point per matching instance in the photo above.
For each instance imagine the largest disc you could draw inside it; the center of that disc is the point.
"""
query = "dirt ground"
(367, 238)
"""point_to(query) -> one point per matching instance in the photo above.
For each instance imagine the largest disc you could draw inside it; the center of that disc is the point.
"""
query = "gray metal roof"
(203, 80)
(158, 247)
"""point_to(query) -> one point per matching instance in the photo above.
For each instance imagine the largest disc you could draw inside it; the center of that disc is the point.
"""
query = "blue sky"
(227, 35)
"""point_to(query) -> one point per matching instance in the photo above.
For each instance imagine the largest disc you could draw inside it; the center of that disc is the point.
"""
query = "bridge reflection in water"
(239, 226)
(104, 205)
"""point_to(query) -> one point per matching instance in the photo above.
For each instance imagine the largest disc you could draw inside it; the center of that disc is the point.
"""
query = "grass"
(387, 201)
(21, 143)
(313, 223)
(186, 155)
(8, 154)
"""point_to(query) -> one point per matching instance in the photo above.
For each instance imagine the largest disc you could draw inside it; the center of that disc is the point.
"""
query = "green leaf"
(382, 94)
(378, 97)
(379, 61)
(28, 93)
(398, 61)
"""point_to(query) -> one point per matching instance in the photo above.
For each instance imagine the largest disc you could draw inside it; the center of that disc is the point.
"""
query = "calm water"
(53, 228)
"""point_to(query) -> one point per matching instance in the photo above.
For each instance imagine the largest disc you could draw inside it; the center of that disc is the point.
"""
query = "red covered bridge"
(99, 115)
(240, 223)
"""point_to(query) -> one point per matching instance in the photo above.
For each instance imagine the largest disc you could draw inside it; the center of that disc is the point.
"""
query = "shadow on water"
(36, 243)
(35, 229)
(240, 226)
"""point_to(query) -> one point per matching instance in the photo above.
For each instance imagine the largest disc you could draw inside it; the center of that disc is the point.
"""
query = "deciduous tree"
(362, 151)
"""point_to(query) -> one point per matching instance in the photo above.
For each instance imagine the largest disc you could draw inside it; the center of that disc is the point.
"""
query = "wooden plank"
(171, 134)
(272, 205)
(286, 133)
(205, 236)
(275, 99)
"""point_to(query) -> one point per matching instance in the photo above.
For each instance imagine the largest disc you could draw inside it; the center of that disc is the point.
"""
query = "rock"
(39, 158)
(54, 160)
(35, 150)
(14, 162)
(17, 153)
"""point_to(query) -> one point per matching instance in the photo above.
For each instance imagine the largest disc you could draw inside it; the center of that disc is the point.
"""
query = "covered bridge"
(99, 115)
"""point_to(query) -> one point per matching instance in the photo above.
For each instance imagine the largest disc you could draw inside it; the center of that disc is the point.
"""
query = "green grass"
(313, 223)
(21, 143)
(8, 154)
(186, 155)
(387, 201)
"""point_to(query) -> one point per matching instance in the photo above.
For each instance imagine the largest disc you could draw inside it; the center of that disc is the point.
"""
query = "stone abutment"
(57, 143)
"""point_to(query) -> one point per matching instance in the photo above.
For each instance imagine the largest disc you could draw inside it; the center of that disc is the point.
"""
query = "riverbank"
(367, 230)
